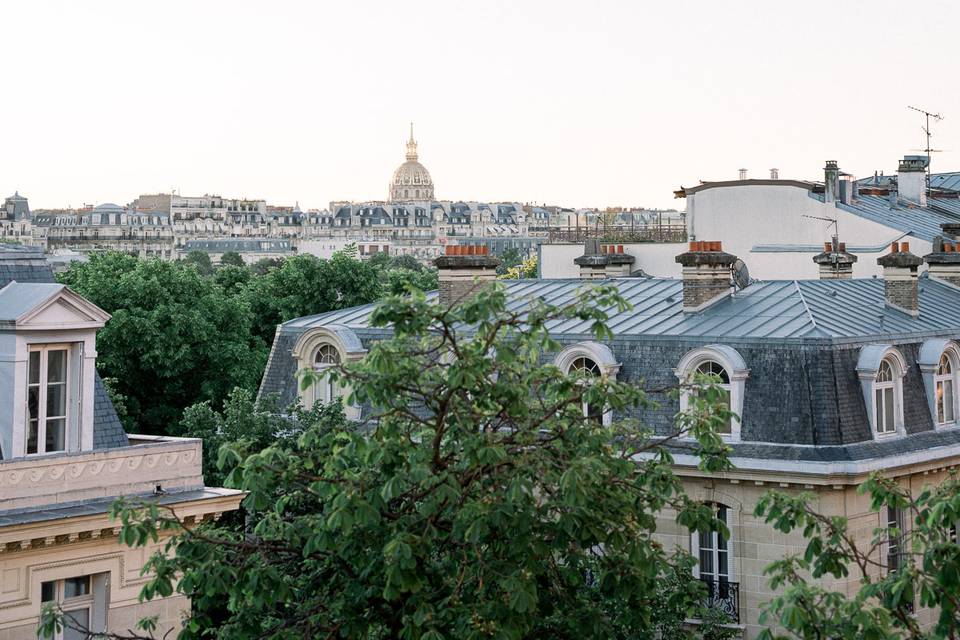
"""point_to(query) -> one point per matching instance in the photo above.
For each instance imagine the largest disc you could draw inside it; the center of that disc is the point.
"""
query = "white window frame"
(85, 602)
(868, 369)
(349, 348)
(601, 356)
(945, 403)
(42, 389)
(714, 548)
(737, 373)
(883, 389)
(325, 389)
(932, 352)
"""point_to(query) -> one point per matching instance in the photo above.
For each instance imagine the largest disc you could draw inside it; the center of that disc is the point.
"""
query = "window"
(587, 367)
(894, 538)
(711, 368)
(47, 387)
(945, 392)
(714, 553)
(589, 359)
(75, 597)
(326, 357)
(884, 400)
(728, 366)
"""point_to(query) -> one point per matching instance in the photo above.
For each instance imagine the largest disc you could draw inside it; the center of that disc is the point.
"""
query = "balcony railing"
(725, 596)
(623, 235)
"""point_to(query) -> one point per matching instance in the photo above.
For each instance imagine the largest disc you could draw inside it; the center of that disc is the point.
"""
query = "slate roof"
(27, 265)
(800, 340)
(920, 222)
(778, 311)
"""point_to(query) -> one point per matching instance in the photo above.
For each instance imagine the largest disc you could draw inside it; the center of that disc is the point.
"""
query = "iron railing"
(725, 596)
(652, 233)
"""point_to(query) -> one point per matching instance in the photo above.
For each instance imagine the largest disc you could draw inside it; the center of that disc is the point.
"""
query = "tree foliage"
(200, 260)
(171, 329)
(475, 501)
(885, 599)
(232, 258)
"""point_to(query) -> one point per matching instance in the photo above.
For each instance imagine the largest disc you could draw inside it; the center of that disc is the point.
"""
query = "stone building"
(831, 379)
(15, 224)
(411, 181)
(107, 227)
(64, 459)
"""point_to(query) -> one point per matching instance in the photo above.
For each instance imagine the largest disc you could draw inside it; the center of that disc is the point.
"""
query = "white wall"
(556, 260)
(744, 216)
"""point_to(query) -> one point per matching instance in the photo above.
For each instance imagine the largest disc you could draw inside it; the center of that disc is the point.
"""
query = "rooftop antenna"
(927, 132)
(833, 222)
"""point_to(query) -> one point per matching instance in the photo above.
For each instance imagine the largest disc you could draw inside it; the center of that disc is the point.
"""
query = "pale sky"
(586, 103)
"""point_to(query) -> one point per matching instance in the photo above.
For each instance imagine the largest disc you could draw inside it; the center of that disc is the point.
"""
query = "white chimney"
(743, 174)
(774, 174)
(912, 179)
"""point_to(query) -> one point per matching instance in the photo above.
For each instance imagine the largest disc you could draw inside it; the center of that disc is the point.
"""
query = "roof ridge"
(806, 307)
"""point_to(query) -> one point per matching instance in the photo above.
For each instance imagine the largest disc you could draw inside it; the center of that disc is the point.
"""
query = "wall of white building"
(655, 259)
(746, 216)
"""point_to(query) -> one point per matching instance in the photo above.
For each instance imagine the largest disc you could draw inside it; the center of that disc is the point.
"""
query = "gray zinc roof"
(777, 311)
(17, 298)
(920, 222)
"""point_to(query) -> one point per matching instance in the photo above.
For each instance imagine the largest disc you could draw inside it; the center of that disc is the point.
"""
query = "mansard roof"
(778, 311)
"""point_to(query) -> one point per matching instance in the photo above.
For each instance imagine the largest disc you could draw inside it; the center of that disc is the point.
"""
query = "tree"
(232, 258)
(264, 265)
(399, 281)
(510, 257)
(407, 262)
(922, 568)
(233, 279)
(526, 269)
(305, 285)
(478, 501)
(200, 260)
(170, 329)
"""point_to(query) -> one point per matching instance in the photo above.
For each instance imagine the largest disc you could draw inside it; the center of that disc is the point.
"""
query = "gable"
(63, 310)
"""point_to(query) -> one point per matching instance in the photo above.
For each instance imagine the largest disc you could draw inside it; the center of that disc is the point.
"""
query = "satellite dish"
(741, 275)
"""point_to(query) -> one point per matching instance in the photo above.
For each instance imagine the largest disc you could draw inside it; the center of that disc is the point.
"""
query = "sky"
(579, 104)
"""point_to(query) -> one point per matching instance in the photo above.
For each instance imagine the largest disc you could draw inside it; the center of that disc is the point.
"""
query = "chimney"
(835, 263)
(912, 179)
(831, 177)
(743, 174)
(848, 188)
(900, 278)
(706, 274)
(774, 174)
(462, 270)
(944, 262)
(602, 260)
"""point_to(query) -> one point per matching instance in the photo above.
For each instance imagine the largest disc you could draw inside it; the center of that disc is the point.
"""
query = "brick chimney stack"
(601, 260)
(944, 262)
(462, 270)
(900, 278)
(706, 274)
(835, 263)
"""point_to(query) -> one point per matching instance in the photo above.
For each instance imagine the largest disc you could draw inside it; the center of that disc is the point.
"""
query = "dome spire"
(411, 146)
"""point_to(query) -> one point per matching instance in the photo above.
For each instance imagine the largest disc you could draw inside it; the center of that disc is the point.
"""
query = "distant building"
(15, 225)
(107, 227)
(411, 182)
(251, 250)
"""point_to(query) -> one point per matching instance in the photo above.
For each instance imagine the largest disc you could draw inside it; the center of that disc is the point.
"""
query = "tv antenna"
(928, 133)
(833, 222)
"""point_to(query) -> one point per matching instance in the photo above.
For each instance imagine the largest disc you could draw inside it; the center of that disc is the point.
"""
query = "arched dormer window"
(320, 349)
(589, 359)
(729, 367)
(881, 369)
(939, 362)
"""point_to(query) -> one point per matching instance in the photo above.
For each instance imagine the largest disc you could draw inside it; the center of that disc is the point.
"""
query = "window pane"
(726, 428)
(706, 560)
(888, 409)
(75, 624)
(48, 592)
(56, 432)
(73, 587)
(57, 365)
(34, 367)
(722, 569)
(56, 400)
(948, 401)
(941, 414)
(32, 436)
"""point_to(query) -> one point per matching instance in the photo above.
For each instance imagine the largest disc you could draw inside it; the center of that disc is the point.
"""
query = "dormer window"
(320, 349)
(47, 391)
(327, 357)
(884, 400)
(881, 369)
(728, 366)
(945, 391)
(590, 359)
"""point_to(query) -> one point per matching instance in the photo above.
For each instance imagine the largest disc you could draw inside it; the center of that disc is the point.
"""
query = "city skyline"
(616, 105)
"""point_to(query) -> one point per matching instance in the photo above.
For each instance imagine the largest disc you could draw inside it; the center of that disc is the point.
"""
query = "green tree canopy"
(476, 501)
(171, 330)
(232, 258)
(200, 260)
